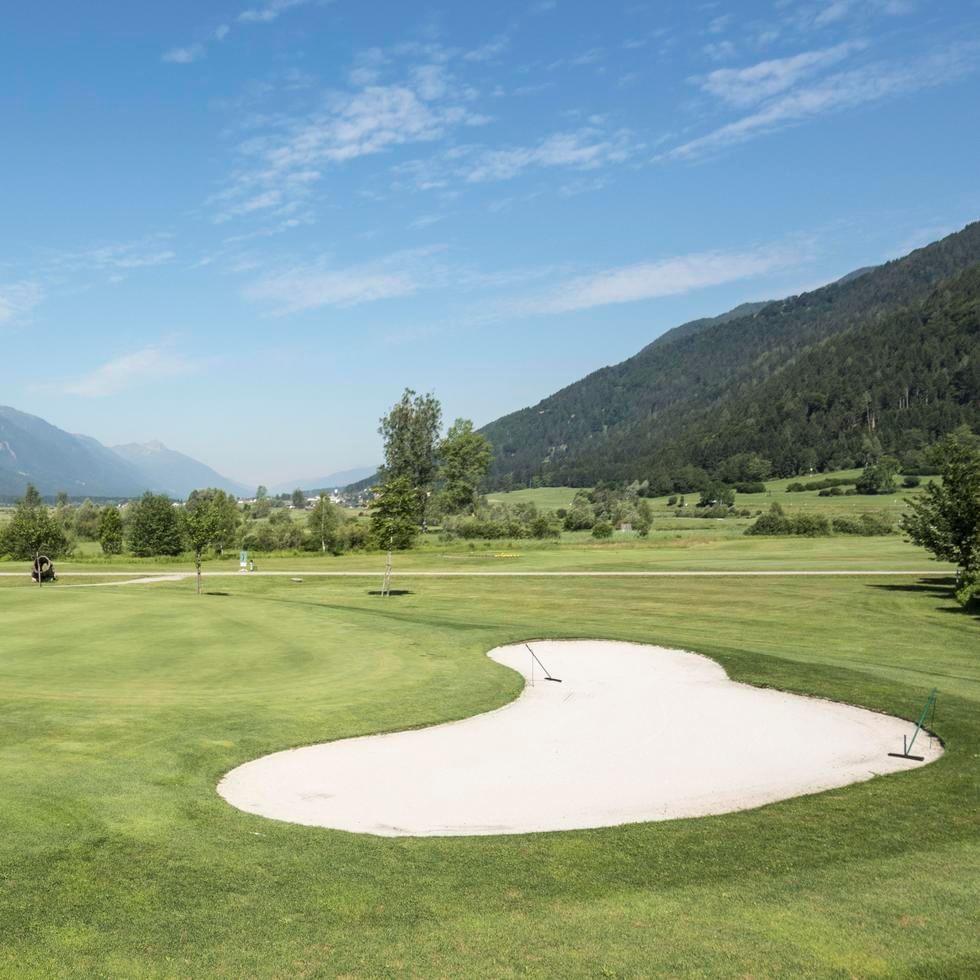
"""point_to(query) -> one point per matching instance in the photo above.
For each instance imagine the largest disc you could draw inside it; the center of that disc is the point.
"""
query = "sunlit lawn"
(120, 708)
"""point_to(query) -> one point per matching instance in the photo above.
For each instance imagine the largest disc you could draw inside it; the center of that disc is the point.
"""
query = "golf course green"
(122, 707)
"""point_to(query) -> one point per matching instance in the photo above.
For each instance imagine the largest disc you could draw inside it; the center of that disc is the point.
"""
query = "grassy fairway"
(121, 708)
(544, 498)
(705, 547)
(675, 544)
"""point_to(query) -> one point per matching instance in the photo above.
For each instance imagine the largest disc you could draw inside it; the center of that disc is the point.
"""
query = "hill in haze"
(331, 481)
(34, 451)
(171, 472)
(666, 407)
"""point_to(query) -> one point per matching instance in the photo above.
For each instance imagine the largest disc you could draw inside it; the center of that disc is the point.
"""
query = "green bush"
(810, 526)
(878, 478)
(867, 525)
(967, 590)
(777, 522)
(716, 512)
(602, 529)
(773, 522)
(828, 483)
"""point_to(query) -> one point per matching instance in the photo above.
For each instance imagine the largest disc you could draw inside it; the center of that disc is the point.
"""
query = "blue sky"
(243, 227)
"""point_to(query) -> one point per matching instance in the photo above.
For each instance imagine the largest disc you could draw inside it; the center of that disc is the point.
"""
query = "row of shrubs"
(750, 487)
(828, 483)
(778, 522)
(834, 487)
(540, 526)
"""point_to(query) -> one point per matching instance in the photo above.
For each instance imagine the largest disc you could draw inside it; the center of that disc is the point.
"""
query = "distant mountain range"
(332, 481)
(886, 359)
(34, 451)
(174, 473)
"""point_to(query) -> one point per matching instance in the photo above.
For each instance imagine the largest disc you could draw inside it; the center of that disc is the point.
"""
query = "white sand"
(633, 733)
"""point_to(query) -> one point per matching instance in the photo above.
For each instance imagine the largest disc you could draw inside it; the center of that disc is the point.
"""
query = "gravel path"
(451, 573)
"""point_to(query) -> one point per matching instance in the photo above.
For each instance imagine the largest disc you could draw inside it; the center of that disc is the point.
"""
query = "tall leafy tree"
(945, 518)
(87, 521)
(154, 527)
(262, 505)
(394, 512)
(464, 458)
(410, 432)
(322, 521)
(201, 525)
(64, 513)
(879, 477)
(32, 531)
(298, 499)
(111, 531)
(226, 512)
(285, 532)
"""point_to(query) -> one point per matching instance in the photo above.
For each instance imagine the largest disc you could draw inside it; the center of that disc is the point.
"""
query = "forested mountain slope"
(894, 385)
(618, 422)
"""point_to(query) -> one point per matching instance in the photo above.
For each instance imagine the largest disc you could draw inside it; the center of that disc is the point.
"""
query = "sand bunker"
(633, 733)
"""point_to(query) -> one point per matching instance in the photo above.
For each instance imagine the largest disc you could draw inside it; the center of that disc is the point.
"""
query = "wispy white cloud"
(280, 166)
(263, 14)
(919, 237)
(323, 283)
(268, 12)
(835, 93)
(666, 277)
(591, 57)
(185, 55)
(588, 149)
(833, 12)
(117, 257)
(490, 51)
(584, 149)
(746, 86)
(138, 368)
(427, 220)
(18, 299)
(720, 24)
(807, 16)
(720, 50)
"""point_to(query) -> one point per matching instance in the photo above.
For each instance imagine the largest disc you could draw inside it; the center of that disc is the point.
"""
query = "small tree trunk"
(197, 564)
(37, 565)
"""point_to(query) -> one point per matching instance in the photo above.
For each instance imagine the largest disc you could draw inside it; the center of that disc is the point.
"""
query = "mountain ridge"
(33, 450)
(331, 481)
(614, 421)
(173, 472)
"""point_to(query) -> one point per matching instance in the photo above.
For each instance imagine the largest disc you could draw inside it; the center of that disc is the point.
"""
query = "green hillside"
(660, 408)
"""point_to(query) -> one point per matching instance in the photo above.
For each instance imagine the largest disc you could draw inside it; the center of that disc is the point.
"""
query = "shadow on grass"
(934, 588)
(392, 592)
